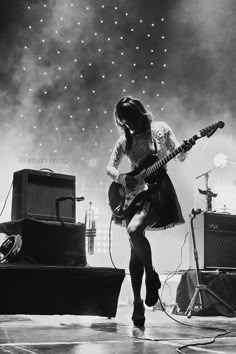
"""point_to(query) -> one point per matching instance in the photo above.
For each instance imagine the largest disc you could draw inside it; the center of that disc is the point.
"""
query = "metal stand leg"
(200, 288)
(198, 292)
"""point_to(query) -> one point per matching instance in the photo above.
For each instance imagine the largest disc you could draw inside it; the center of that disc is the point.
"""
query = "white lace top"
(143, 145)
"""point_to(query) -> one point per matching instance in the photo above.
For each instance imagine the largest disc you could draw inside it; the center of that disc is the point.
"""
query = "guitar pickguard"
(130, 195)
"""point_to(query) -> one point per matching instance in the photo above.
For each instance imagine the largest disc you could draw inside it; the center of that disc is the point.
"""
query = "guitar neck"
(208, 131)
(163, 161)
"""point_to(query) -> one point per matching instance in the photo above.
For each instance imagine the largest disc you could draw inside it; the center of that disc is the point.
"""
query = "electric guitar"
(121, 198)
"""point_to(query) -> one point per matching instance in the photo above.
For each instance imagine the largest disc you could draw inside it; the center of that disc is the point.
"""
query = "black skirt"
(162, 198)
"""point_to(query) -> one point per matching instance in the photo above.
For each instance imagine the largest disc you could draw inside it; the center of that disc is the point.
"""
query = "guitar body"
(115, 196)
(119, 197)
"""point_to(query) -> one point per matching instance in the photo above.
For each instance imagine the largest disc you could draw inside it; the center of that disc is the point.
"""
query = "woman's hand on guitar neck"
(188, 144)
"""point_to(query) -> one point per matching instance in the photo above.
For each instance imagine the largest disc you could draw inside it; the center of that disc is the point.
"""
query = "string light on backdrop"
(68, 65)
(78, 60)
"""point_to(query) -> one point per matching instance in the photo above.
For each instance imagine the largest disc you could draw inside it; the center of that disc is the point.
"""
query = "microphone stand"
(90, 228)
(201, 288)
(208, 193)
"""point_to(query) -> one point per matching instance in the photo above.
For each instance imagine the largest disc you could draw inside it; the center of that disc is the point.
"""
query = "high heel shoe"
(153, 284)
(138, 317)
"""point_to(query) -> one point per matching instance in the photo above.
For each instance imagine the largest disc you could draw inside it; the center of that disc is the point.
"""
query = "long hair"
(129, 108)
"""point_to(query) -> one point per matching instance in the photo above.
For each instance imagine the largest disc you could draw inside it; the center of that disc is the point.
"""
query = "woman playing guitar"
(152, 204)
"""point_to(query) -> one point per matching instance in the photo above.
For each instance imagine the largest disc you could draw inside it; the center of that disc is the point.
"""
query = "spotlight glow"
(220, 160)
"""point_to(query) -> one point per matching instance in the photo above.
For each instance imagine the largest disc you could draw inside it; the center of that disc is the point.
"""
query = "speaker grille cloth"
(220, 249)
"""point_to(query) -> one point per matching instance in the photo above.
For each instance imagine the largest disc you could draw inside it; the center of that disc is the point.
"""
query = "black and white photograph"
(118, 176)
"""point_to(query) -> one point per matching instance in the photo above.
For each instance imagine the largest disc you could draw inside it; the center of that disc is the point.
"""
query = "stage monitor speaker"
(35, 193)
(215, 236)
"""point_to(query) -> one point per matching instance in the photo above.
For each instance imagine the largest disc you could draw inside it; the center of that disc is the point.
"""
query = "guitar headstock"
(210, 130)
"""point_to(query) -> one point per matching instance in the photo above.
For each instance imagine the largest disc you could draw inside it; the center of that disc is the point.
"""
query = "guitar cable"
(109, 242)
(6, 199)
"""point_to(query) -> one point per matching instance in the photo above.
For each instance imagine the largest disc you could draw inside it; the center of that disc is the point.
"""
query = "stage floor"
(23, 334)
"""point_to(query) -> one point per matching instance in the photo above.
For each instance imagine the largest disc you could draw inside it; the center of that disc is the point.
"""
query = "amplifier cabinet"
(35, 193)
(215, 236)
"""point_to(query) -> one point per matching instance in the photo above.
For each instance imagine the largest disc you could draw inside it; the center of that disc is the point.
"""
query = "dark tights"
(141, 255)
